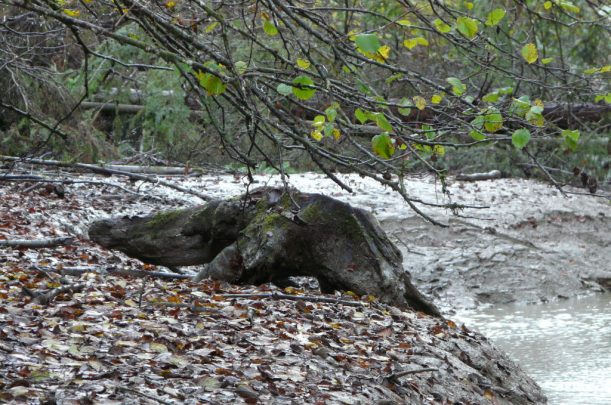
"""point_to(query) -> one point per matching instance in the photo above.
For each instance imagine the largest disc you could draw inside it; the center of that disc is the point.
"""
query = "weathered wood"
(265, 237)
(493, 174)
(37, 243)
(102, 169)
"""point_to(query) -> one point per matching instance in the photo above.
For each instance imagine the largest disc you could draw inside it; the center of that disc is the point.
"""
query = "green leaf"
(269, 28)
(568, 6)
(529, 53)
(382, 145)
(429, 131)
(240, 67)
(571, 138)
(495, 16)
(363, 88)
(394, 77)
(284, 89)
(213, 85)
(458, 88)
(361, 116)
(441, 26)
(300, 90)
(547, 61)
(491, 97)
(331, 113)
(600, 97)
(405, 105)
(477, 135)
(381, 121)
(467, 26)
(520, 106)
(534, 116)
(520, 138)
(493, 120)
(368, 43)
(318, 121)
(328, 129)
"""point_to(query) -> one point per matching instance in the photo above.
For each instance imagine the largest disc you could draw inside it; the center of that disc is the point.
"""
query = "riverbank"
(111, 338)
(531, 244)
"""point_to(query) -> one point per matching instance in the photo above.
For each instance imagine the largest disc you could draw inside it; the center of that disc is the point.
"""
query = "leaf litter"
(121, 339)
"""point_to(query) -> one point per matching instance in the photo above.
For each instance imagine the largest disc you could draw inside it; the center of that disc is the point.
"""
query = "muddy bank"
(531, 244)
(125, 340)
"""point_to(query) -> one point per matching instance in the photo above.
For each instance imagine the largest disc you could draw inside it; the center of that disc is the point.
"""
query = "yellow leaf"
(170, 4)
(436, 99)
(303, 63)
(71, 13)
(538, 103)
(469, 5)
(547, 5)
(293, 290)
(336, 134)
(384, 51)
(529, 53)
(419, 102)
(404, 23)
(316, 134)
(352, 294)
(414, 42)
(211, 26)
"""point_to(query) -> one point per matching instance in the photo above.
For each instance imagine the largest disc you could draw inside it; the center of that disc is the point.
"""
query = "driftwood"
(37, 243)
(103, 169)
(493, 174)
(268, 236)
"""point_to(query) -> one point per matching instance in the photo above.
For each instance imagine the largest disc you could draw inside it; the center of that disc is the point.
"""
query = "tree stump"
(270, 235)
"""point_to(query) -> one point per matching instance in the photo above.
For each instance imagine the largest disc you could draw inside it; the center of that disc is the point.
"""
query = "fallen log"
(37, 243)
(101, 169)
(270, 235)
(491, 175)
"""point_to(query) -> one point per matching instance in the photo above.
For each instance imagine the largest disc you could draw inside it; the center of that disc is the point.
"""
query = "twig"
(545, 172)
(394, 377)
(278, 296)
(77, 271)
(191, 307)
(494, 232)
(144, 394)
(38, 243)
(46, 298)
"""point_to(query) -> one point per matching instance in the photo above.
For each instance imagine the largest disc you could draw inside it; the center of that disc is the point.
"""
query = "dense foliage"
(374, 87)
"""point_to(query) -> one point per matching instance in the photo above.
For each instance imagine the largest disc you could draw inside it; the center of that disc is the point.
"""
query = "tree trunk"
(267, 236)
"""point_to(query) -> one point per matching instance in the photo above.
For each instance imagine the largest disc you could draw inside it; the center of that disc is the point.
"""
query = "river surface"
(564, 345)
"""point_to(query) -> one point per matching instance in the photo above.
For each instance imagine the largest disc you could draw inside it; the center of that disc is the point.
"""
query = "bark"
(268, 236)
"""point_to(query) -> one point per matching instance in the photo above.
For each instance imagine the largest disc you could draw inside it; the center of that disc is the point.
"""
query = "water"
(565, 346)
